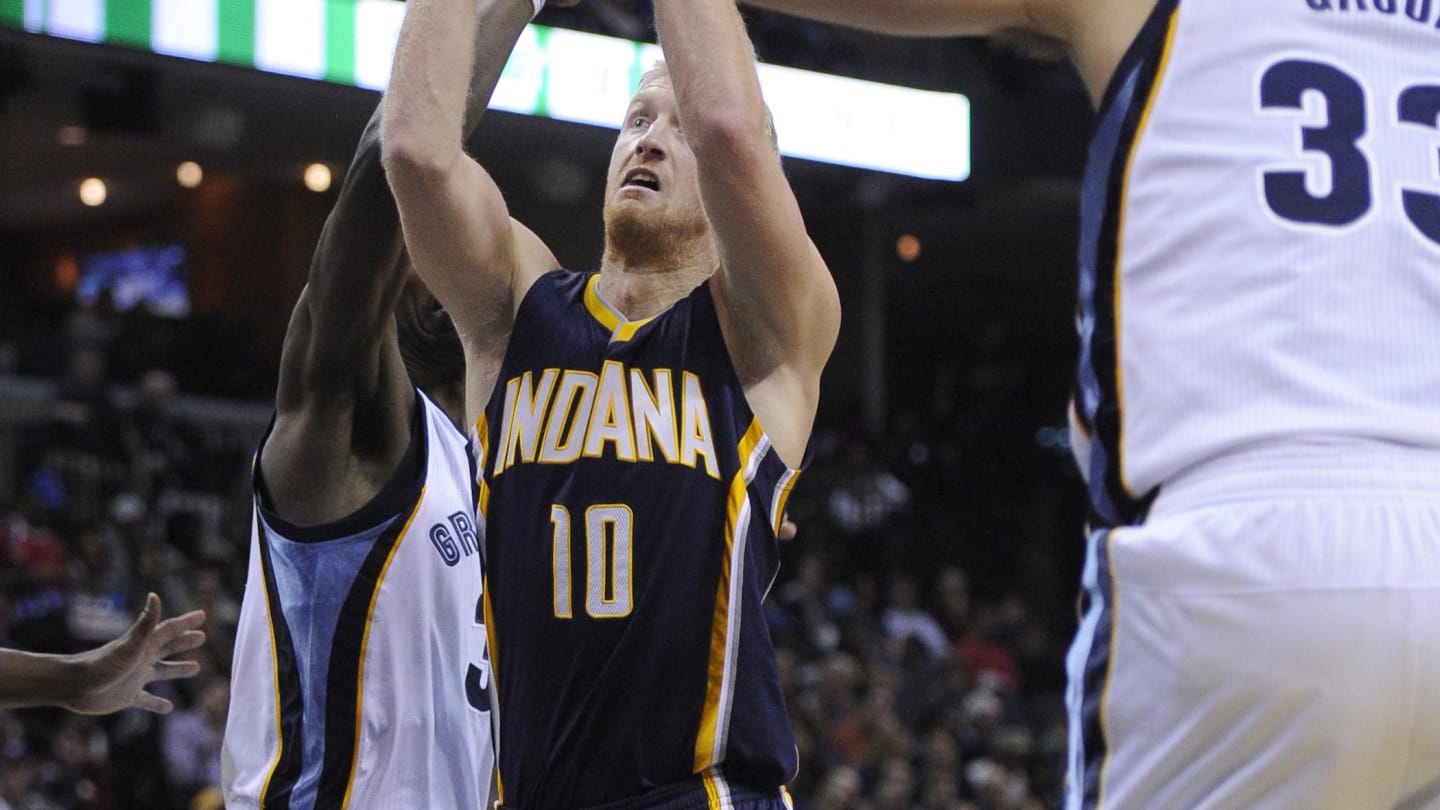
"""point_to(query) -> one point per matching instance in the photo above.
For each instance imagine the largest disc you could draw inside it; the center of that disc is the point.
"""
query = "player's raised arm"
(1094, 34)
(776, 298)
(924, 17)
(457, 226)
(339, 367)
(344, 399)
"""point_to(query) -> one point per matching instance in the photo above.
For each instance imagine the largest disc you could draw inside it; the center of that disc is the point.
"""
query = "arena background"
(923, 611)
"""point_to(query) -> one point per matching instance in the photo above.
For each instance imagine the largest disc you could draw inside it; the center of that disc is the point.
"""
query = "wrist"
(71, 677)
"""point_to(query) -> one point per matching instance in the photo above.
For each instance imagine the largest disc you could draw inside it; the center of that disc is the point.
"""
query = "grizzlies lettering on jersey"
(630, 501)
(1260, 238)
(360, 669)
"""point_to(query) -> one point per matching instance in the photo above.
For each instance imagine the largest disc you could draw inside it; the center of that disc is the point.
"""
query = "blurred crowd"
(919, 670)
(116, 493)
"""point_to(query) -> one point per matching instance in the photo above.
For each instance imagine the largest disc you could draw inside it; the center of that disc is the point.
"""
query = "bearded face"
(652, 190)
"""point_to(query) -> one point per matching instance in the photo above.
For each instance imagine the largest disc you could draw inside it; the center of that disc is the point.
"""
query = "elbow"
(404, 159)
(407, 157)
(729, 132)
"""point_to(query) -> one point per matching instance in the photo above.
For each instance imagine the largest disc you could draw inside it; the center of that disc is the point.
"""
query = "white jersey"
(1260, 255)
(360, 676)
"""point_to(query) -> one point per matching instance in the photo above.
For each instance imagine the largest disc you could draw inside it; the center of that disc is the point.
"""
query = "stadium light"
(189, 174)
(553, 73)
(318, 178)
(93, 192)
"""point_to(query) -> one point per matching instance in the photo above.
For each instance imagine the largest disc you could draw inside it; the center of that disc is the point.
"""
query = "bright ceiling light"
(317, 177)
(93, 192)
(189, 174)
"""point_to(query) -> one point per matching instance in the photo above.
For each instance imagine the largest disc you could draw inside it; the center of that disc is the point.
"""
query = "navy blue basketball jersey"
(631, 500)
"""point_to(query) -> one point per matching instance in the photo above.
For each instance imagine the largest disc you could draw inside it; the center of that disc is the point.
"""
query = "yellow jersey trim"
(706, 742)
(275, 667)
(621, 328)
(494, 669)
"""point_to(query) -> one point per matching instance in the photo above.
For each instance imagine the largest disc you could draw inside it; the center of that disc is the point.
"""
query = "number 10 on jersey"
(608, 560)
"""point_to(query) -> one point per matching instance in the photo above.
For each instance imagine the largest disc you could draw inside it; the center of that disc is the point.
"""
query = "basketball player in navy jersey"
(361, 675)
(647, 425)
(1257, 409)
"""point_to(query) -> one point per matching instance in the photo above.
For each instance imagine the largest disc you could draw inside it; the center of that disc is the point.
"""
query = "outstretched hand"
(115, 675)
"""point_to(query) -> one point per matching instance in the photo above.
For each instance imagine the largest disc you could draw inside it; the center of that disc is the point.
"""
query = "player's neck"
(643, 289)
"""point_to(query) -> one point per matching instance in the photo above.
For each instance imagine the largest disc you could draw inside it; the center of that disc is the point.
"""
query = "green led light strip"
(555, 73)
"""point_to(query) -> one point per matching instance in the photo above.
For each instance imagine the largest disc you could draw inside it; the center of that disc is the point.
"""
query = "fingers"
(182, 624)
(179, 634)
(170, 670)
(149, 616)
(788, 529)
(153, 703)
(185, 642)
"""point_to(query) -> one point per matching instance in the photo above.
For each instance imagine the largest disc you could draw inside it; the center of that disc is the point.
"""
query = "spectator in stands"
(895, 788)
(939, 769)
(841, 790)
(952, 601)
(98, 606)
(164, 450)
(192, 742)
(34, 573)
(17, 781)
(805, 600)
(86, 417)
(905, 619)
(208, 592)
(78, 774)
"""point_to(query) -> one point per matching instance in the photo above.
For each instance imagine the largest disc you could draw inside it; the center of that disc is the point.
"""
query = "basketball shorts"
(1268, 639)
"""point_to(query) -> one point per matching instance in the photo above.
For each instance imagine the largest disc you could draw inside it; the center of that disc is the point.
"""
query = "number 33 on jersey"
(1260, 224)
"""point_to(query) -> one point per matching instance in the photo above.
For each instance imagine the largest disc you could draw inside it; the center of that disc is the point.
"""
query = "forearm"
(456, 224)
(430, 98)
(359, 251)
(425, 105)
(355, 274)
(918, 18)
(500, 24)
(712, 67)
(32, 679)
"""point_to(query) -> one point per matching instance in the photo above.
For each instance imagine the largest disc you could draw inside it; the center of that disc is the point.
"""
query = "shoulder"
(560, 287)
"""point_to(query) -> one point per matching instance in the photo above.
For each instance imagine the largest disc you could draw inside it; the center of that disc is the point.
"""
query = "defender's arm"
(344, 399)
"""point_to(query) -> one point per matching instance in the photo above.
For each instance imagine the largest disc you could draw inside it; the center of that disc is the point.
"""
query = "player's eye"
(639, 122)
